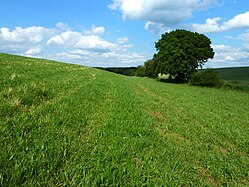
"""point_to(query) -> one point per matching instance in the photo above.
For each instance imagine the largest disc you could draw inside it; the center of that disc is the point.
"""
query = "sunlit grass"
(67, 125)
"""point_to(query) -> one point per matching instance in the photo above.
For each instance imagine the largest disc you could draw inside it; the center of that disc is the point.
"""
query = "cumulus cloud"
(212, 24)
(68, 38)
(23, 41)
(95, 30)
(226, 56)
(82, 52)
(104, 59)
(93, 42)
(118, 54)
(64, 44)
(156, 27)
(115, 4)
(33, 51)
(67, 56)
(127, 58)
(165, 12)
(224, 48)
(98, 30)
(29, 34)
(81, 41)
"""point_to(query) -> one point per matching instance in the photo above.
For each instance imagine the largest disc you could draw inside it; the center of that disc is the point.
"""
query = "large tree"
(181, 52)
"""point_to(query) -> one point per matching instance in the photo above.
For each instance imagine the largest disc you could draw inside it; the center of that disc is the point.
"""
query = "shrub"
(140, 71)
(151, 69)
(207, 78)
(237, 85)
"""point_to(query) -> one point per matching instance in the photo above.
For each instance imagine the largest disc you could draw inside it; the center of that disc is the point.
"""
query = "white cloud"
(67, 56)
(68, 38)
(156, 27)
(115, 4)
(226, 56)
(62, 26)
(93, 42)
(94, 30)
(30, 34)
(212, 24)
(33, 51)
(120, 59)
(98, 30)
(165, 12)
(225, 48)
(97, 59)
(123, 40)
(24, 40)
(64, 44)
(154, 10)
(239, 21)
(80, 41)
(127, 58)
(81, 52)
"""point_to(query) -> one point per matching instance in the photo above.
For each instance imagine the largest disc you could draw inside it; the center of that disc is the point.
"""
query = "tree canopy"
(181, 52)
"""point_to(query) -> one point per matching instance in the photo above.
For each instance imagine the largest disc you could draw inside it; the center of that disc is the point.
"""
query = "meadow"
(235, 78)
(69, 125)
(234, 74)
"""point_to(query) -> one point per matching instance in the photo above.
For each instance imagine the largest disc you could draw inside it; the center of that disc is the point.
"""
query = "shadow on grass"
(172, 81)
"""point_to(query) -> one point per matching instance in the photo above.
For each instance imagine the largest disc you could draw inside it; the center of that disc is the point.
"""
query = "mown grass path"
(67, 125)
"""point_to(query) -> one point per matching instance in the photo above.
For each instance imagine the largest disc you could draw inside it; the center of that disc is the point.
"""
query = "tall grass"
(67, 125)
(237, 85)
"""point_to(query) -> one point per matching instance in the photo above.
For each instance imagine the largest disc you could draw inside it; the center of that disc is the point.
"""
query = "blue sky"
(120, 32)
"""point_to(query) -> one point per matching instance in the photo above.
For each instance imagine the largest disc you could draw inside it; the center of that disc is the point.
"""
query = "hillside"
(69, 125)
(234, 74)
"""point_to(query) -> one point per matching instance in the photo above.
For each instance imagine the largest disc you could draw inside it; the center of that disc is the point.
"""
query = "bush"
(150, 69)
(140, 71)
(207, 78)
(237, 85)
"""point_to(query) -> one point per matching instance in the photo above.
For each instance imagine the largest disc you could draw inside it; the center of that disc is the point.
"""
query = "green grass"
(235, 78)
(234, 74)
(68, 125)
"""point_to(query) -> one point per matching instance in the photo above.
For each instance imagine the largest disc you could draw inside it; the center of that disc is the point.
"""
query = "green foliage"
(150, 69)
(234, 74)
(237, 85)
(140, 71)
(236, 78)
(208, 78)
(88, 127)
(128, 71)
(226, 78)
(181, 52)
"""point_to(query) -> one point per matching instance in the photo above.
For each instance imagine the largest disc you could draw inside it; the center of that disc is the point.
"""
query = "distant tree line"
(128, 71)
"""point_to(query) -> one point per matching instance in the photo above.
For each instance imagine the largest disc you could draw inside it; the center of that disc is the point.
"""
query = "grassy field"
(234, 74)
(235, 78)
(68, 125)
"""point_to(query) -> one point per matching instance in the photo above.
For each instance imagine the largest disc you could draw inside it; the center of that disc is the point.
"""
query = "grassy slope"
(63, 124)
(234, 74)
